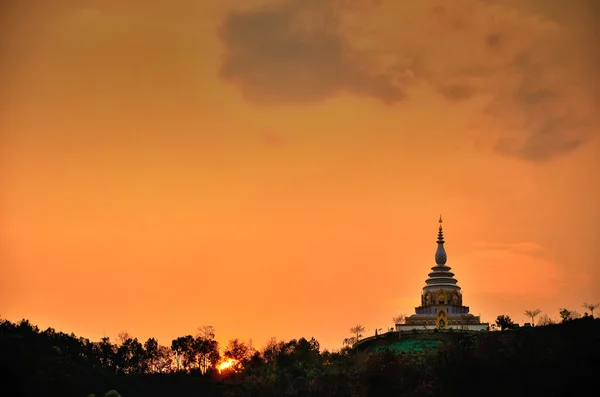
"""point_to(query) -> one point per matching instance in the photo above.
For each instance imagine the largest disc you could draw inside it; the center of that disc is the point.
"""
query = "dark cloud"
(551, 99)
(535, 59)
(549, 141)
(541, 70)
(543, 143)
(292, 52)
(531, 96)
(457, 92)
(493, 41)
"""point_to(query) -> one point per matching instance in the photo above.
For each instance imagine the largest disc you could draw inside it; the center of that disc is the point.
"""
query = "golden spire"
(440, 253)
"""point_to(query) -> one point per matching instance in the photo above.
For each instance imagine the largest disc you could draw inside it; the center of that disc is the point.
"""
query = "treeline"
(125, 356)
(504, 322)
(555, 360)
(40, 362)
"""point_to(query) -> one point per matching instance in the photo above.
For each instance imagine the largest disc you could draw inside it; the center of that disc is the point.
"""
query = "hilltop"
(554, 360)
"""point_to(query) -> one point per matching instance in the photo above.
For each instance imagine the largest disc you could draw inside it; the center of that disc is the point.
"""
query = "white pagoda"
(441, 300)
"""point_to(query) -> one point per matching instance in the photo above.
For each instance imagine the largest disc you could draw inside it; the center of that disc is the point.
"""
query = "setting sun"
(227, 364)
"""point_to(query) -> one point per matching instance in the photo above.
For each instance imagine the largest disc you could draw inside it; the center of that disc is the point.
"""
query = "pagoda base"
(432, 326)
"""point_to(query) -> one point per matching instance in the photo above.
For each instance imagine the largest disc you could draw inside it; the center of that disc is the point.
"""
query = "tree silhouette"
(206, 348)
(122, 337)
(270, 351)
(189, 352)
(105, 351)
(545, 320)
(179, 347)
(399, 319)
(504, 322)
(533, 314)
(164, 361)
(565, 315)
(591, 307)
(357, 330)
(151, 354)
(206, 352)
(238, 351)
(130, 356)
(206, 331)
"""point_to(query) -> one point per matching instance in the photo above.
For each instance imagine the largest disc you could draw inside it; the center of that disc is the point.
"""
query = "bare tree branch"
(591, 307)
(533, 314)
(399, 319)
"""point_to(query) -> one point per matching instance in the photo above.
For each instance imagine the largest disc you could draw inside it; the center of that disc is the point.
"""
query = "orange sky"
(278, 169)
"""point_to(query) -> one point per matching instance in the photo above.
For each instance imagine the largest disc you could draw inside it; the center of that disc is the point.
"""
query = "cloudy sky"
(277, 169)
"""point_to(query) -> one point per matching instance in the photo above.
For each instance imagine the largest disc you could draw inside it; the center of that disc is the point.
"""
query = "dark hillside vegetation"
(554, 360)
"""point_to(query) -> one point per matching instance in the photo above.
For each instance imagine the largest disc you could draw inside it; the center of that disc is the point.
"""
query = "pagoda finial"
(440, 253)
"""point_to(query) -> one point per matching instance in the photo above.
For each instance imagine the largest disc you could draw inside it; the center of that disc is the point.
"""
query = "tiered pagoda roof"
(441, 276)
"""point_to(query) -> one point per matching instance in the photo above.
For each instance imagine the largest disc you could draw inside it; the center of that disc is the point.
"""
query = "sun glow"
(227, 364)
